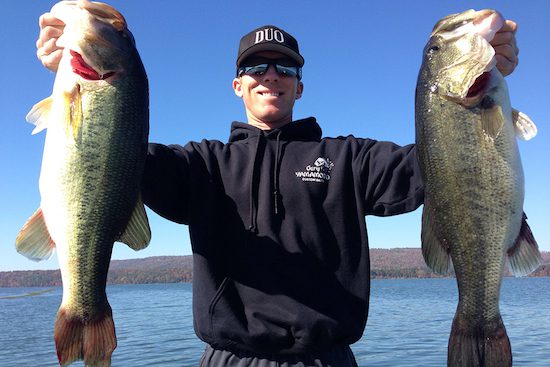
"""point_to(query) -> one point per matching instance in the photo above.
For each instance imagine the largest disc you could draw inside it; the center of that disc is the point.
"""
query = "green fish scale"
(472, 186)
(101, 182)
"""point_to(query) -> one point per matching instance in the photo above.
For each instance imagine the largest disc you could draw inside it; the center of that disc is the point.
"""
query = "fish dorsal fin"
(492, 118)
(524, 256)
(39, 113)
(436, 253)
(137, 234)
(34, 240)
(525, 128)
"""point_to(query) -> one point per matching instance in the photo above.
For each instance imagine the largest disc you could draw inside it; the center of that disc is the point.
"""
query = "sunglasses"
(261, 67)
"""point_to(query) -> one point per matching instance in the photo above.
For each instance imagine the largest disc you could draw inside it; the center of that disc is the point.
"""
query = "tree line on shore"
(385, 263)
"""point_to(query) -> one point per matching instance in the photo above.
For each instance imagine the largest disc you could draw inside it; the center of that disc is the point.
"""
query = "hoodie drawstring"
(255, 177)
(254, 187)
(276, 174)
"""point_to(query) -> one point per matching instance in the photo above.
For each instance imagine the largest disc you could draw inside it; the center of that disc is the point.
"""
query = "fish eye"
(432, 49)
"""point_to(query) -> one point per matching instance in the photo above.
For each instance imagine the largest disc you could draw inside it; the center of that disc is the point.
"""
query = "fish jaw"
(463, 40)
(97, 37)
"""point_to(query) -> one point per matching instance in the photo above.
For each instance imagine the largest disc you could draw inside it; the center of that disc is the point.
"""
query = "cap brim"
(271, 47)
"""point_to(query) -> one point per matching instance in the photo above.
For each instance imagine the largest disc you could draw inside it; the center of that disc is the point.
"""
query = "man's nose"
(271, 73)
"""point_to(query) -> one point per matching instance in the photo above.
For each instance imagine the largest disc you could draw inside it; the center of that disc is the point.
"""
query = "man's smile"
(270, 94)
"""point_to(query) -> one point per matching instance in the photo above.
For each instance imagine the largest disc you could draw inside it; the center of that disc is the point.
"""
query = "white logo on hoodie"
(318, 172)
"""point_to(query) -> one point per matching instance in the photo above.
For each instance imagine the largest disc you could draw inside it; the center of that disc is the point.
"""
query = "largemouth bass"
(94, 154)
(474, 185)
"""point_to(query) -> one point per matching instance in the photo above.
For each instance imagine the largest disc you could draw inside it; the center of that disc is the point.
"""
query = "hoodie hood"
(302, 130)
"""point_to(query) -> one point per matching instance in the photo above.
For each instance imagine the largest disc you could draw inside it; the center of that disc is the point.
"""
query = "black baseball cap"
(269, 38)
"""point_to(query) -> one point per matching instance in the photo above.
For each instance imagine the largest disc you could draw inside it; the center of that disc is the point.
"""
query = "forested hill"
(385, 263)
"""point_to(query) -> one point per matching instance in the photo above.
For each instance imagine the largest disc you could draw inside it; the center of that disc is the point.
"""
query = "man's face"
(268, 98)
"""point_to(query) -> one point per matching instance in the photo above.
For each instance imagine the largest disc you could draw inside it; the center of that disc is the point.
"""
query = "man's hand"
(506, 50)
(47, 50)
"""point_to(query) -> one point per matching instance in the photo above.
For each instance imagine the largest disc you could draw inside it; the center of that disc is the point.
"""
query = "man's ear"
(237, 87)
(299, 90)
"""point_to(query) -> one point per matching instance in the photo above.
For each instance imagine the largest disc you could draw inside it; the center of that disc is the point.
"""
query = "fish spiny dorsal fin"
(436, 254)
(39, 114)
(525, 128)
(492, 118)
(137, 234)
(524, 256)
(34, 240)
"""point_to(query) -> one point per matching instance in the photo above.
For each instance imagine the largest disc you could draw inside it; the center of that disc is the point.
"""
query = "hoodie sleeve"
(391, 178)
(165, 182)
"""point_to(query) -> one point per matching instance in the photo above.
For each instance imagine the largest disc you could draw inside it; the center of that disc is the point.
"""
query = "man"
(276, 215)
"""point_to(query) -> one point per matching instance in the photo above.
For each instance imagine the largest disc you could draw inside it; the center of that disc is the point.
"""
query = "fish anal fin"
(524, 256)
(39, 114)
(34, 241)
(436, 253)
(137, 234)
(90, 340)
(524, 127)
(492, 118)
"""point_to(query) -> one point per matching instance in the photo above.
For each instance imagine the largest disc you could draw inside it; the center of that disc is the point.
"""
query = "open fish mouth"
(471, 75)
(81, 68)
(479, 86)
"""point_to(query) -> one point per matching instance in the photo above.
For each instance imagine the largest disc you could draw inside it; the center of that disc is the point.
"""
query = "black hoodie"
(277, 226)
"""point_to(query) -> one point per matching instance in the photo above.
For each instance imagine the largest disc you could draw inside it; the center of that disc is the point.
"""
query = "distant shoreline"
(397, 263)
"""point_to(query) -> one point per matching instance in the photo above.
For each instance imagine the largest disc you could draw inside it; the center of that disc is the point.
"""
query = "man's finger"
(502, 38)
(509, 26)
(48, 33)
(47, 19)
(505, 66)
(51, 61)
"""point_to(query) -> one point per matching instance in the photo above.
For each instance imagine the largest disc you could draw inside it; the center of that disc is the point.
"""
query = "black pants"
(340, 357)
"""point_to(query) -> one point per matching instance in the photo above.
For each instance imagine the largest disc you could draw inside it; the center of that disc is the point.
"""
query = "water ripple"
(409, 324)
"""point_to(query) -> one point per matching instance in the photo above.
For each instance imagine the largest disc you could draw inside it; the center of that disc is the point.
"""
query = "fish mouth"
(85, 71)
(477, 91)
(479, 86)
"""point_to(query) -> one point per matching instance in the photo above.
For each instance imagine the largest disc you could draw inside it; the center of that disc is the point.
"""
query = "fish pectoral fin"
(73, 112)
(34, 241)
(492, 118)
(39, 113)
(137, 234)
(436, 254)
(524, 127)
(524, 256)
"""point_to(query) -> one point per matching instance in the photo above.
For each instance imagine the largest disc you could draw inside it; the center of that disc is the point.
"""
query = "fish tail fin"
(92, 341)
(479, 345)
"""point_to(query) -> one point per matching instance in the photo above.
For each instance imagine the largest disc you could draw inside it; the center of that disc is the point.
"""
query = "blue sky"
(362, 60)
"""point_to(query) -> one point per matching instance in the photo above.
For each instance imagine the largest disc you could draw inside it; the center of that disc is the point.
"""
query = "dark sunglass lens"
(256, 69)
(287, 70)
(260, 69)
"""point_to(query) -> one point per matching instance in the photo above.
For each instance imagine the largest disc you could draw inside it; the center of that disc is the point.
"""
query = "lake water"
(409, 324)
